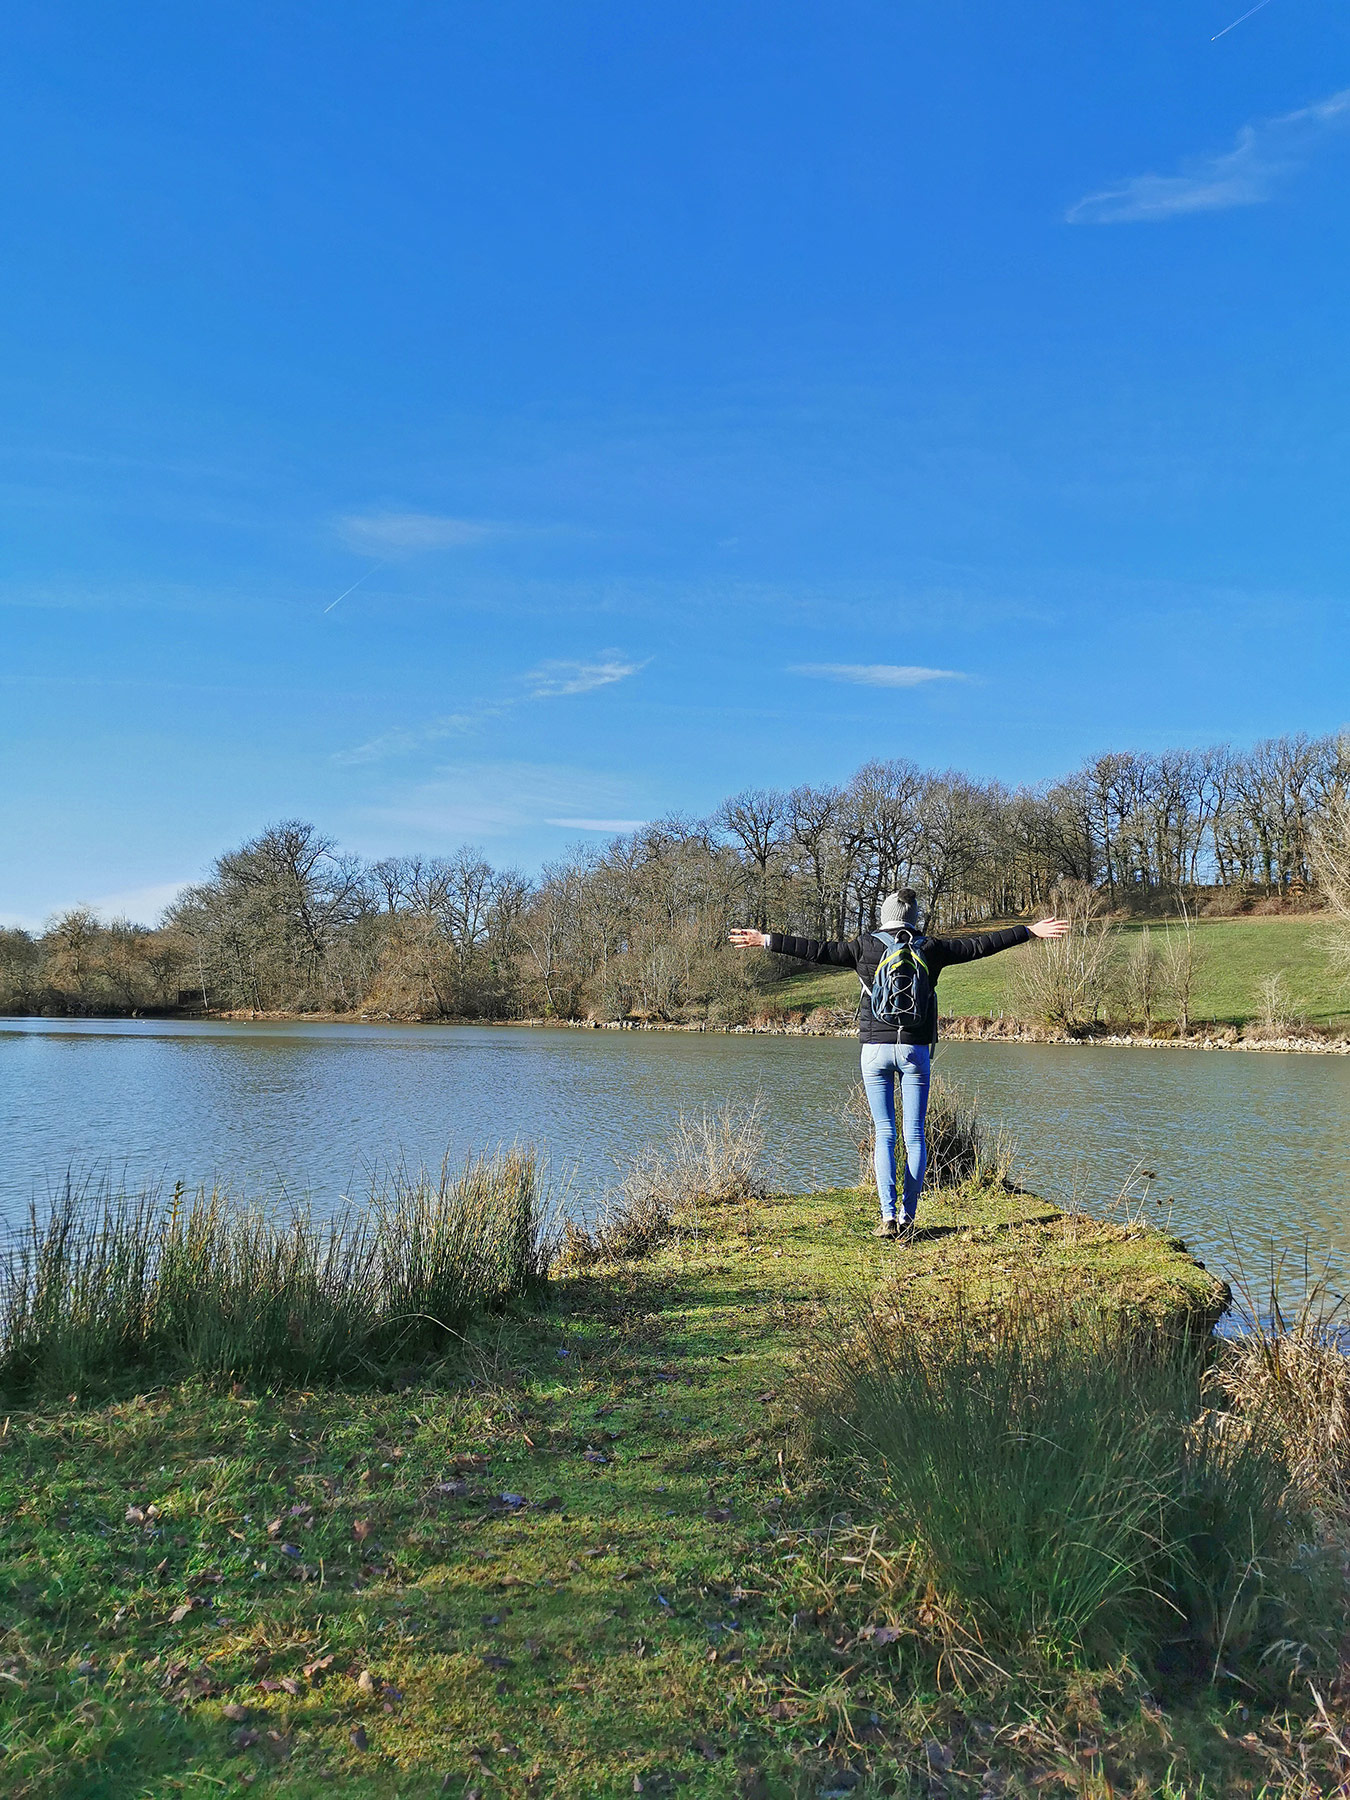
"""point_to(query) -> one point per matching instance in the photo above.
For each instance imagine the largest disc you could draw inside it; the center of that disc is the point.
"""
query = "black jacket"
(862, 954)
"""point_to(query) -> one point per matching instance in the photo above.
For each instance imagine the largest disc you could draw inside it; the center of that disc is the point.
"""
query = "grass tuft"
(1068, 1493)
(962, 1145)
(711, 1159)
(106, 1285)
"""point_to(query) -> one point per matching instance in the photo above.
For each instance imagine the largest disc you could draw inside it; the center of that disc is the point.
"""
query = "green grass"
(212, 1589)
(1234, 956)
(106, 1283)
(1106, 1516)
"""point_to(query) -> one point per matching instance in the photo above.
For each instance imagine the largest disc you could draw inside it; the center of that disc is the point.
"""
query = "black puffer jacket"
(862, 954)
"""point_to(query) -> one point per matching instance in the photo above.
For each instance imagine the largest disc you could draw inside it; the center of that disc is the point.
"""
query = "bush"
(1069, 1495)
(108, 1285)
(713, 1159)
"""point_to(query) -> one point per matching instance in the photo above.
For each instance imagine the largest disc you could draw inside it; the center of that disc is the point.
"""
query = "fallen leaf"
(290, 1685)
(274, 1527)
(362, 1528)
(887, 1634)
(180, 1613)
(235, 1713)
(318, 1667)
(359, 1739)
(243, 1739)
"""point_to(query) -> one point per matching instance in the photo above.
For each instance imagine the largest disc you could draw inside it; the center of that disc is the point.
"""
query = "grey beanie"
(900, 909)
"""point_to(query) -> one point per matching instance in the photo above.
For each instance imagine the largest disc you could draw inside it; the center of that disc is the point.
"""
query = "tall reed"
(106, 1285)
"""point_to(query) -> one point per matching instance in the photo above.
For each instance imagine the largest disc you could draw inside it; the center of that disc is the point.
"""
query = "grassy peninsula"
(599, 1545)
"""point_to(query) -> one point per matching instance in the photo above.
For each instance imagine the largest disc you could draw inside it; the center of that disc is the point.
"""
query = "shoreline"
(952, 1030)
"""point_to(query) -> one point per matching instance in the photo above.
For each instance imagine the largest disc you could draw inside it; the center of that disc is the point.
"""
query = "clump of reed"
(1286, 1375)
(1059, 1485)
(710, 1159)
(103, 1285)
(962, 1145)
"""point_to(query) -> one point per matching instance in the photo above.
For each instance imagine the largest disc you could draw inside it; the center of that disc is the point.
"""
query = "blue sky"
(701, 396)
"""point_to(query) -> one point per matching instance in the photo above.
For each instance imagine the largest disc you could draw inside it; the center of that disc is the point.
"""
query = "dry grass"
(711, 1159)
(962, 1145)
(1288, 1376)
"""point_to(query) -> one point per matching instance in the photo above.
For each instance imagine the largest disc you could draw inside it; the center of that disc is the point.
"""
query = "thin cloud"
(390, 532)
(405, 740)
(598, 824)
(549, 680)
(1247, 175)
(495, 799)
(554, 678)
(887, 675)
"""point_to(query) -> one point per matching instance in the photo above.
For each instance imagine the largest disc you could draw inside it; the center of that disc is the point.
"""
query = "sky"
(502, 423)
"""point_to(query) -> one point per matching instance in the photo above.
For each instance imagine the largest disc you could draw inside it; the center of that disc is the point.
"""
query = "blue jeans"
(881, 1063)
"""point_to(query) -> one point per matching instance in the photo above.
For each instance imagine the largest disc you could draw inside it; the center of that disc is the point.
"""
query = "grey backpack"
(901, 988)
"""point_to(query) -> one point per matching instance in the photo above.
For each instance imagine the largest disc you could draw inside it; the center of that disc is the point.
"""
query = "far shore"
(1209, 1036)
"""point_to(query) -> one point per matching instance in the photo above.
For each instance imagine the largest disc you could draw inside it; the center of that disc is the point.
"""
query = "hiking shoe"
(886, 1229)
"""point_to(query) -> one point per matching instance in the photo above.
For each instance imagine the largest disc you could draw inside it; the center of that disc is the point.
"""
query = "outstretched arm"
(844, 954)
(945, 951)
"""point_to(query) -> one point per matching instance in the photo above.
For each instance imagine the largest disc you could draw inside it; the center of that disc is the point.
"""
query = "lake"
(1249, 1150)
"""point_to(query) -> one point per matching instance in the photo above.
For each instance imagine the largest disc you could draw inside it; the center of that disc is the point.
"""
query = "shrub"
(106, 1285)
(711, 1159)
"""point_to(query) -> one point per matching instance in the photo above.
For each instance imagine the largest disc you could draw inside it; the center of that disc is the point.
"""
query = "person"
(898, 1046)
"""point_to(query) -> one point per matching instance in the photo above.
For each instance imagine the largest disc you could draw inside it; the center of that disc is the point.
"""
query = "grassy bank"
(596, 1551)
(1233, 958)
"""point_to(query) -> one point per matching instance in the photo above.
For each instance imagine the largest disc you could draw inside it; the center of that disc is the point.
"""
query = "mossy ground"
(1233, 957)
(587, 1556)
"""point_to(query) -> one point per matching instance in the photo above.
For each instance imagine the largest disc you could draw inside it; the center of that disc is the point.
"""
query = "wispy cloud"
(496, 799)
(550, 680)
(1246, 175)
(554, 678)
(887, 675)
(598, 824)
(404, 739)
(390, 532)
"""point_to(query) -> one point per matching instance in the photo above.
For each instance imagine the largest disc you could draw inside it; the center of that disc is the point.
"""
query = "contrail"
(356, 584)
(1246, 15)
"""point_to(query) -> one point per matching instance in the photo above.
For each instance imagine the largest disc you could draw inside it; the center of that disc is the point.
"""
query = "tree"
(755, 818)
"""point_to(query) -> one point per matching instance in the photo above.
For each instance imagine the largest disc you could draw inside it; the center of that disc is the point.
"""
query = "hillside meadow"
(1233, 958)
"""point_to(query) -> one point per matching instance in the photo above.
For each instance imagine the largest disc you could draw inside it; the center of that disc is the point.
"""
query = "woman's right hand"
(745, 937)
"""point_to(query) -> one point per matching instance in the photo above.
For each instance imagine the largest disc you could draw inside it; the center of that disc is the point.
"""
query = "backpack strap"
(890, 944)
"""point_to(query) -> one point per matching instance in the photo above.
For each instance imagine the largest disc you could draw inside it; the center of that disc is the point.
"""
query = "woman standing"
(897, 1021)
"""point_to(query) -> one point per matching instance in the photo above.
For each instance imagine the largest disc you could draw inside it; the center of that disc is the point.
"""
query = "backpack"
(902, 990)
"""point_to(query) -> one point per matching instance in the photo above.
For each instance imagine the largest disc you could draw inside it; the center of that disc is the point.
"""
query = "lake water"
(1251, 1150)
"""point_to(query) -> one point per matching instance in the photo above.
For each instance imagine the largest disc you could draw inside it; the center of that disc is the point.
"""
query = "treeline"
(637, 925)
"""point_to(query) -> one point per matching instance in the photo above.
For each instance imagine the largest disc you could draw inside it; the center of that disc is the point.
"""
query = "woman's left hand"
(1049, 928)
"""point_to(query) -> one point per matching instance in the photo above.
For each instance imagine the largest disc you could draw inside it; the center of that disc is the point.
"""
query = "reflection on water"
(1248, 1148)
